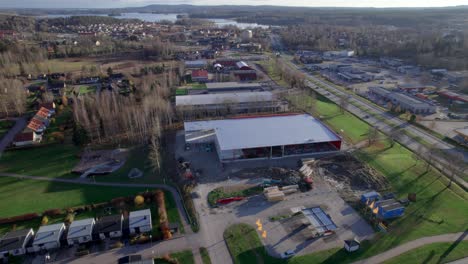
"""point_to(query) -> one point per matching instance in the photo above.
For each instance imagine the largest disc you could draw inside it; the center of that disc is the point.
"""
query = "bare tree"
(372, 135)
(344, 102)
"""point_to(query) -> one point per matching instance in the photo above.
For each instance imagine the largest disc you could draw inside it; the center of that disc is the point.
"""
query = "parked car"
(288, 254)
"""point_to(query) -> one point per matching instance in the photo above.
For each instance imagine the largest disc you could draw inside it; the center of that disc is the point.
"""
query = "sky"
(310, 3)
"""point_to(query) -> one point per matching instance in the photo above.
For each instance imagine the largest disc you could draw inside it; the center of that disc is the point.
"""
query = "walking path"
(396, 251)
(8, 138)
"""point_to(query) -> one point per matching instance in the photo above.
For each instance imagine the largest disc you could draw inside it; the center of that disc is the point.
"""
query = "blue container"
(370, 196)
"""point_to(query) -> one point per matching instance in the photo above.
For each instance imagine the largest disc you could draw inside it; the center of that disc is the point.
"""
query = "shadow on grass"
(453, 246)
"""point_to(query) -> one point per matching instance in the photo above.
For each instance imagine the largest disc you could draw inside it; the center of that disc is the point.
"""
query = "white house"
(109, 226)
(80, 231)
(15, 242)
(26, 138)
(140, 221)
(48, 237)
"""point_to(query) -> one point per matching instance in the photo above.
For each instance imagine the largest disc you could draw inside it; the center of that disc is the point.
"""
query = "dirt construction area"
(350, 177)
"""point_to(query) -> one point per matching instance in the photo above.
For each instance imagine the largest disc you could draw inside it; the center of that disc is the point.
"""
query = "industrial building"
(405, 101)
(264, 136)
(228, 103)
(233, 87)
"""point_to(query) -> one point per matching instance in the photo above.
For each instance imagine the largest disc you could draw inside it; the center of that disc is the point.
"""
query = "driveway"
(8, 138)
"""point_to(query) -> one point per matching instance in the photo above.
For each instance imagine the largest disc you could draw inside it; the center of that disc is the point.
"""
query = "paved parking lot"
(286, 234)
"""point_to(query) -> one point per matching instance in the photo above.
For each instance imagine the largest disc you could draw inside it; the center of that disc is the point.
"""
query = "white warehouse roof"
(255, 132)
(207, 99)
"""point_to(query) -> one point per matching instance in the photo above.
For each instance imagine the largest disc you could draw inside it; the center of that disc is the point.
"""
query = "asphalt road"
(8, 138)
(367, 111)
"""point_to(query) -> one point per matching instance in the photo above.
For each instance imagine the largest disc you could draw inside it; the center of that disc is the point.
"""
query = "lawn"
(245, 246)
(5, 125)
(433, 253)
(56, 160)
(197, 86)
(85, 89)
(28, 196)
(347, 125)
(181, 91)
(138, 158)
(182, 257)
(61, 65)
(219, 193)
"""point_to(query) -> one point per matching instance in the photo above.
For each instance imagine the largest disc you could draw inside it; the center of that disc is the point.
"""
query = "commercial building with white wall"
(264, 136)
(229, 103)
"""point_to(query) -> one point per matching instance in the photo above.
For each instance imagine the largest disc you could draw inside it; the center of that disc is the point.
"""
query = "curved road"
(8, 138)
(396, 251)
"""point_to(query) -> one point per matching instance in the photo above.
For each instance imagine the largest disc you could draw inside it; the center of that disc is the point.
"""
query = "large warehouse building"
(263, 137)
(228, 103)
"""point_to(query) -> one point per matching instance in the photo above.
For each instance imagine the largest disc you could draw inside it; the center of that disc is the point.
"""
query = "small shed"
(351, 245)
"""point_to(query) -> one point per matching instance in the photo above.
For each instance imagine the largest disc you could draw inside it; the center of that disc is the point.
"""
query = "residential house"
(109, 226)
(140, 221)
(27, 138)
(199, 76)
(14, 242)
(36, 125)
(48, 237)
(80, 231)
(49, 106)
(44, 112)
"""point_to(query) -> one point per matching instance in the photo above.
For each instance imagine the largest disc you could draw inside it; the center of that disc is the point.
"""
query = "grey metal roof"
(139, 218)
(109, 223)
(232, 85)
(222, 98)
(407, 99)
(14, 239)
(81, 228)
(319, 219)
(49, 233)
(266, 131)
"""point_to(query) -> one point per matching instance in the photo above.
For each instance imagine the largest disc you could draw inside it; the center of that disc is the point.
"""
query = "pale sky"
(310, 3)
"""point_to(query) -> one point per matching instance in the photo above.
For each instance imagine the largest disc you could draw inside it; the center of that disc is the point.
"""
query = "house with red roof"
(26, 138)
(199, 75)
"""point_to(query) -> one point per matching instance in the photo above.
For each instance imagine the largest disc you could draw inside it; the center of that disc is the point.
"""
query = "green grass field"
(433, 253)
(55, 160)
(85, 89)
(28, 196)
